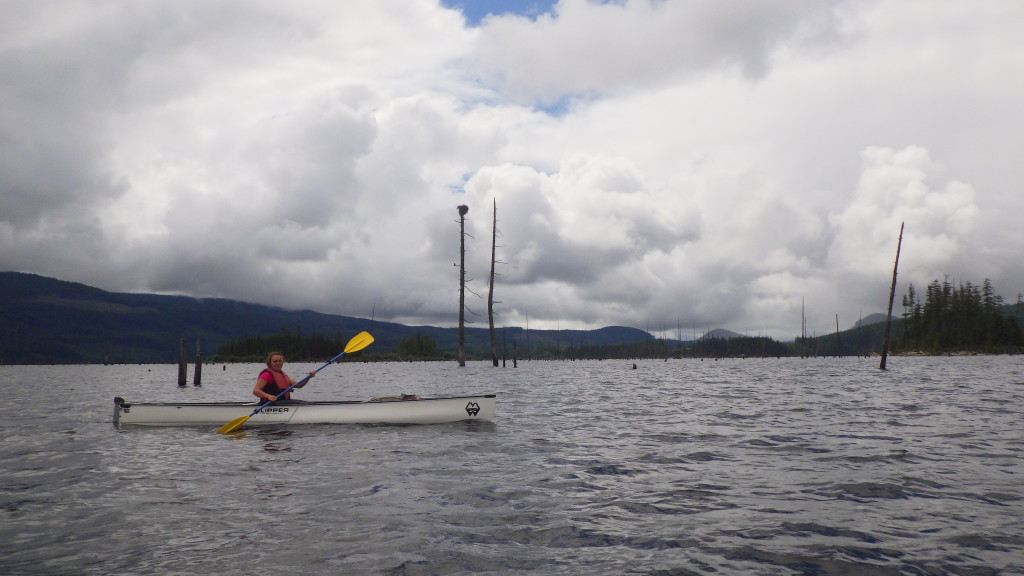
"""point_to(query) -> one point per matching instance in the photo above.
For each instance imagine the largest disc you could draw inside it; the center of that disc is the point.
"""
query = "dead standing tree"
(490, 290)
(463, 210)
(892, 296)
(183, 362)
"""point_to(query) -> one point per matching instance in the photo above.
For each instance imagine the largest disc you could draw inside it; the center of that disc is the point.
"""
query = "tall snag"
(892, 296)
(490, 290)
(463, 209)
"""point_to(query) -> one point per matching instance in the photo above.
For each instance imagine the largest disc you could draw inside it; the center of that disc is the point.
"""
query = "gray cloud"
(710, 166)
(593, 49)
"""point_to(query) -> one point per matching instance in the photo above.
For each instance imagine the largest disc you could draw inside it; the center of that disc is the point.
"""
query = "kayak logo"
(472, 408)
(276, 410)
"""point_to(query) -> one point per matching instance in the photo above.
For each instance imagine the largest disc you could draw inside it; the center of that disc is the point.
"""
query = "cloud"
(597, 48)
(572, 226)
(894, 189)
(652, 163)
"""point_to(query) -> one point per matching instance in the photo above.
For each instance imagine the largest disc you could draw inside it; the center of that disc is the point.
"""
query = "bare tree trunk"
(527, 353)
(892, 296)
(197, 377)
(182, 362)
(803, 329)
(839, 351)
(490, 291)
(463, 209)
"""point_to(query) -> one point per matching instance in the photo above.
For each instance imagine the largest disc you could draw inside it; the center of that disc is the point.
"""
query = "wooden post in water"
(197, 376)
(892, 296)
(183, 362)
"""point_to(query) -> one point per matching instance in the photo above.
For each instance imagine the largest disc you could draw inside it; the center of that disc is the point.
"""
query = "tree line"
(315, 347)
(945, 318)
(291, 343)
(299, 348)
(966, 317)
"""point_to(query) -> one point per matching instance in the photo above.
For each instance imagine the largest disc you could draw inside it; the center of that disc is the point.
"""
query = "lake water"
(679, 467)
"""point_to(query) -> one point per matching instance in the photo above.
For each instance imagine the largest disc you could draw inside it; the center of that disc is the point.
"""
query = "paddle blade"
(231, 426)
(358, 342)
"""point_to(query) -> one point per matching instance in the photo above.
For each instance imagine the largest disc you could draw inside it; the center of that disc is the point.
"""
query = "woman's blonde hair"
(271, 355)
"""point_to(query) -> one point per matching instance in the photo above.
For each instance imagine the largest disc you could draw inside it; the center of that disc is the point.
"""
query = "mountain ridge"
(46, 320)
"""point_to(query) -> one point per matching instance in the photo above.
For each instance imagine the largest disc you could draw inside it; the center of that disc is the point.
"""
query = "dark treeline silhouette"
(958, 318)
(950, 319)
(298, 348)
(750, 347)
(418, 347)
(294, 346)
(49, 321)
(316, 347)
(963, 318)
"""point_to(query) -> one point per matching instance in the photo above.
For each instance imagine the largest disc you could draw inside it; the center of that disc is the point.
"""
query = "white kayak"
(388, 410)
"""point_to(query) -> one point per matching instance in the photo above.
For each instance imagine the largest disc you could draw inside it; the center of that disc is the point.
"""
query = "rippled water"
(766, 466)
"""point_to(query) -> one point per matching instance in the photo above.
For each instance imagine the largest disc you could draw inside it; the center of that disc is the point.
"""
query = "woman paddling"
(272, 381)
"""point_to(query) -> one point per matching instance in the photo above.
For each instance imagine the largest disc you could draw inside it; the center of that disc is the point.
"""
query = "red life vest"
(277, 383)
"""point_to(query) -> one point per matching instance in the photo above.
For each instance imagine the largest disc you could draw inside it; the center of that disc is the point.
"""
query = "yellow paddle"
(358, 342)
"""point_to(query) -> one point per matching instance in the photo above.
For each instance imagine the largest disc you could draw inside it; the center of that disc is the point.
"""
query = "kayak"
(384, 410)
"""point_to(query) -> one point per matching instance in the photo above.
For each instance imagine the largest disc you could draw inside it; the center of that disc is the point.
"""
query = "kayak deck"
(387, 411)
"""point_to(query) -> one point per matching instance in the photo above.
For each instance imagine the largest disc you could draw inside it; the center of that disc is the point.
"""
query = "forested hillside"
(961, 318)
(44, 320)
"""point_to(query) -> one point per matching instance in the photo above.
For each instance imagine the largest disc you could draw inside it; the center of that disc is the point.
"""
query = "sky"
(670, 165)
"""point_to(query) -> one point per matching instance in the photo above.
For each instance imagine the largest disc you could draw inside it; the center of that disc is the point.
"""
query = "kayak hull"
(418, 411)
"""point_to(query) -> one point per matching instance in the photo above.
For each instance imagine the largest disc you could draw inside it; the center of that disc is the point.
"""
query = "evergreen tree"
(958, 318)
(419, 346)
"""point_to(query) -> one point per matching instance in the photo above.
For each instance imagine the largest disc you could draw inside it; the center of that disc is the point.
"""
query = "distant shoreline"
(961, 353)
